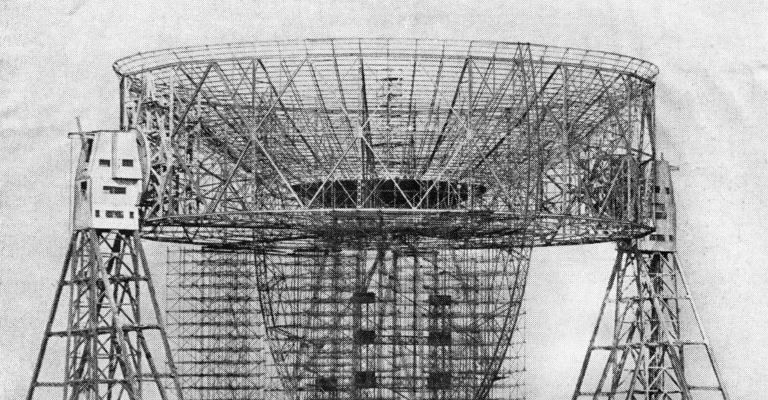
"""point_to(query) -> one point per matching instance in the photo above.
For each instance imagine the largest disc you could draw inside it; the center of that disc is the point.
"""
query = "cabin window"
(114, 189)
(130, 214)
(104, 163)
(113, 214)
(667, 190)
(657, 238)
(88, 148)
(83, 187)
(658, 189)
(671, 238)
(127, 163)
(97, 213)
(660, 207)
(661, 215)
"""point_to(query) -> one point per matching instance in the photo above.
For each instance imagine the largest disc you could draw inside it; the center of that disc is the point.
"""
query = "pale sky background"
(56, 64)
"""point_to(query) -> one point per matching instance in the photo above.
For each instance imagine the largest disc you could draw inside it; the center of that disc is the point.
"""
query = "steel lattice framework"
(390, 192)
(483, 141)
(648, 343)
(394, 322)
(369, 206)
(108, 343)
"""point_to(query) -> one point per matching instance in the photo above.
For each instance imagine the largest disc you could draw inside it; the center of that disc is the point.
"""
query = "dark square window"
(363, 336)
(439, 380)
(329, 384)
(130, 214)
(667, 189)
(114, 189)
(96, 213)
(104, 163)
(365, 379)
(113, 214)
(364, 298)
(439, 300)
(439, 338)
(658, 189)
(127, 163)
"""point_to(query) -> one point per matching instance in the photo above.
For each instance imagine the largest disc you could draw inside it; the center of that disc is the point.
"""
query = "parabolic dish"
(481, 143)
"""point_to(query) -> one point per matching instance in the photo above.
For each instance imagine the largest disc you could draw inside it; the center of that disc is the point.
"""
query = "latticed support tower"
(648, 342)
(99, 344)
(108, 342)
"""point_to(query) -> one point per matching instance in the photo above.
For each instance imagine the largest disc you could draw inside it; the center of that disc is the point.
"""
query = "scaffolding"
(388, 323)
(392, 322)
(214, 324)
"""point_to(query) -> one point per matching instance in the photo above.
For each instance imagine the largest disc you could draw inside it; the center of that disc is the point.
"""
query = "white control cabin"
(108, 182)
(663, 213)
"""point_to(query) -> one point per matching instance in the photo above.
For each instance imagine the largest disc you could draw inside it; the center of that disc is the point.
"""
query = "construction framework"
(369, 207)
(391, 192)
(215, 327)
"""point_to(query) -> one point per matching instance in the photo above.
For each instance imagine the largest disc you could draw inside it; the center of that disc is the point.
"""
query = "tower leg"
(654, 347)
(105, 344)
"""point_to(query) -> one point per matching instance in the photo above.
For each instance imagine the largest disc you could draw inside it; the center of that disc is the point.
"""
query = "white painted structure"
(108, 181)
(663, 212)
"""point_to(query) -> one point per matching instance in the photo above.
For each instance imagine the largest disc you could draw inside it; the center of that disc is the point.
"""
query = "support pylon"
(648, 342)
(107, 346)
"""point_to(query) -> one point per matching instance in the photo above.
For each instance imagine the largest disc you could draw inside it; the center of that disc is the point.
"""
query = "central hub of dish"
(389, 193)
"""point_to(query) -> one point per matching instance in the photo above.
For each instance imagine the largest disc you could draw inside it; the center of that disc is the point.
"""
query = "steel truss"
(215, 324)
(108, 341)
(451, 139)
(648, 342)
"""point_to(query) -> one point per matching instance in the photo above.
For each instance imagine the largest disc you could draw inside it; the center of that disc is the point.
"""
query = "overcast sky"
(56, 64)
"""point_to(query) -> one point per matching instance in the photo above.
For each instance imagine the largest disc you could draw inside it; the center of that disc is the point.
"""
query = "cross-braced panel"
(648, 343)
(102, 341)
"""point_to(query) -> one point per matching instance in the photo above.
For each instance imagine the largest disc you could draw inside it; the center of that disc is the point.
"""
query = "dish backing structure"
(369, 206)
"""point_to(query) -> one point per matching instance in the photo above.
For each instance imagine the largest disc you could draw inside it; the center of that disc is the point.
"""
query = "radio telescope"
(381, 198)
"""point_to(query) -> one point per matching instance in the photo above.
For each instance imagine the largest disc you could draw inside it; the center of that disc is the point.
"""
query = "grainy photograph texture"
(392, 200)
